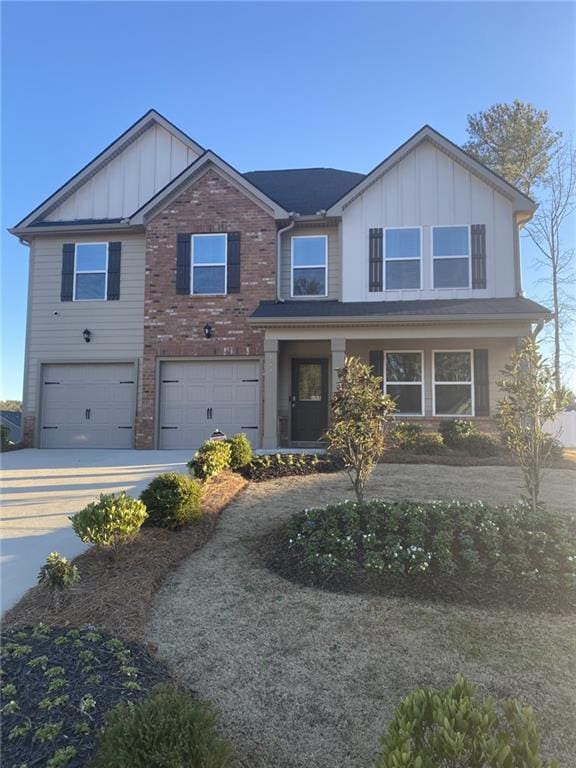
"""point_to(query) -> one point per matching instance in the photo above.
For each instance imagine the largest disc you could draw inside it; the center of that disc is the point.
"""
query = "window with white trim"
(90, 271)
(451, 257)
(402, 251)
(208, 264)
(453, 383)
(403, 381)
(309, 265)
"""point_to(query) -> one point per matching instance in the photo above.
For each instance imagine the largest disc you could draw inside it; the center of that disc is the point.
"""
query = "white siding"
(130, 179)
(428, 188)
(55, 327)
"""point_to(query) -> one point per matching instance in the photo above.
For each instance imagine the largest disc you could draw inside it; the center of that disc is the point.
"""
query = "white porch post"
(338, 349)
(270, 431)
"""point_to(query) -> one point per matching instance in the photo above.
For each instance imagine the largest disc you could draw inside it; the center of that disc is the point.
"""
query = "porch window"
(403, 381)
(309, 265)
(90, 271)
(402, 257)
(208, 273)
(451, 257)
(453, 383)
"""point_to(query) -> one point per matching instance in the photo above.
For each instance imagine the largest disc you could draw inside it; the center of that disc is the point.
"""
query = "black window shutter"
(375, 260)
(481, 383)
(233, 257)
(183, 257)
(478, 256)
(114, 257)
(67, 284)
(376, 360)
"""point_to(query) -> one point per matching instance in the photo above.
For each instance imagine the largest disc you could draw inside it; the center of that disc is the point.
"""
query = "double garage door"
(197, 398)
(88, 406)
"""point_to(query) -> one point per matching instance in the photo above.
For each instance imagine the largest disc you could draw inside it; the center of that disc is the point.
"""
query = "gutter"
(395, 319)
(279, 234)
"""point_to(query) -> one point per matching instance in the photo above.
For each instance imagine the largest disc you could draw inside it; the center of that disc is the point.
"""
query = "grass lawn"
(304, 677)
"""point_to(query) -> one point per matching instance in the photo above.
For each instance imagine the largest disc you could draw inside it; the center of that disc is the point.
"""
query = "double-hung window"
(453, 383)
(402, 256)
(90, 271)
(208, 272)
(403, 381)
(451, 257)
(309, 265)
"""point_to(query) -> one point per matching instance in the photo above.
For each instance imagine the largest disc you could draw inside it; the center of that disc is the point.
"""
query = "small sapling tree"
(58, 575)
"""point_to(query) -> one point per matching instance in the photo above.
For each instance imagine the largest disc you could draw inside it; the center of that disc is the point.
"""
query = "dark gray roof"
(383, 309)
(14, 417)
(305, 190)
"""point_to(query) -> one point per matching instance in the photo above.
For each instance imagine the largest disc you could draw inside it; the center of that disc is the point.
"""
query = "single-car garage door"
(88, 406)
(197, 398)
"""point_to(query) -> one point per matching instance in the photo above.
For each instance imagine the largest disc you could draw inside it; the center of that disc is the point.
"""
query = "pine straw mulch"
(116, 596)
(453, 458)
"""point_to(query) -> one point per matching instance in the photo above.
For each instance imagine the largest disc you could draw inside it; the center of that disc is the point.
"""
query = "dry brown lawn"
(307, 678)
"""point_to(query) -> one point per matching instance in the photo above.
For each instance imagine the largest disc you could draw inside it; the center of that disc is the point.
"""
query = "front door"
(309, 400)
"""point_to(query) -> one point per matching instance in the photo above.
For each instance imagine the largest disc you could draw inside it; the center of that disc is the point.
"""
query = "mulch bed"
(453, 458)
(483, 592)
(116, 595)
(60, 685)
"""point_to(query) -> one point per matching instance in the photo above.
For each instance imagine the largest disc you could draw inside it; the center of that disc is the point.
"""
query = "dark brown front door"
(309, 400)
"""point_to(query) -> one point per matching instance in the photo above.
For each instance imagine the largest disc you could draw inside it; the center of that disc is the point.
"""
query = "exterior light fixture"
(208, 331)
(87, 335)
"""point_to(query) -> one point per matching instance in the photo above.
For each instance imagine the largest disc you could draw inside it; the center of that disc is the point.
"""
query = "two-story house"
(170, 294)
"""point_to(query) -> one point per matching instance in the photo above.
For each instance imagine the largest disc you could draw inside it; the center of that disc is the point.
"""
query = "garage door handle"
(208, 413)
(88, 413)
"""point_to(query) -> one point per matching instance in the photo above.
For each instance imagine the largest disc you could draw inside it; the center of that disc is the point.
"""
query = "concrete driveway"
(41, 488)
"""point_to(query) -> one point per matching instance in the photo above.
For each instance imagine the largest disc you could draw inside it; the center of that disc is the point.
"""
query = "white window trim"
(212, 264)
(309, 266)
(404, 258)
(407, 383)
(90, 272)
(461, 383)
(461, 256)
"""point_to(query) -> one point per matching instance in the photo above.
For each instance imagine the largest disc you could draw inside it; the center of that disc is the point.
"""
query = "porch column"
(338, 349)
(270, 430)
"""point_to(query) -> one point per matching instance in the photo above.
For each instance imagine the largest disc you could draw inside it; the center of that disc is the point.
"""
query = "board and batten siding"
(55, 327)
(129, 180)
(334, 260)
(428, 188)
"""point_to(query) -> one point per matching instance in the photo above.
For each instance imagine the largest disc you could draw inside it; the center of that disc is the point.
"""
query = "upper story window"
(402, 250)
(403, 381)
(208, 272)
(90, 271)
(453, 383)
(309, 265)
(451, 257)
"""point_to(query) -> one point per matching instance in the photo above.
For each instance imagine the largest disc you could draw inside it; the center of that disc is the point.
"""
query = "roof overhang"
(384, 320)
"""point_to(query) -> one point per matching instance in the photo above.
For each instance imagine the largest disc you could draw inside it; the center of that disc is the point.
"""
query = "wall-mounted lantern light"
(87, 335)
(208, 331)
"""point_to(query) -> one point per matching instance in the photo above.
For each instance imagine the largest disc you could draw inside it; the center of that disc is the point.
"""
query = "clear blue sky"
(266, 85)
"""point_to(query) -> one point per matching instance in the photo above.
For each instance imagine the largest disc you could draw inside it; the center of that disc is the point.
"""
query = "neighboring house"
(171, 295)
(12, 420)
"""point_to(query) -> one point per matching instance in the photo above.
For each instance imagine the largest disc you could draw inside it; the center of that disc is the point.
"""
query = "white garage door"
(197, 398)
(88, 406)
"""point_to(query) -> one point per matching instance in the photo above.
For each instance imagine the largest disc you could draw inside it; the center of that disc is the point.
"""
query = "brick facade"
(173, 323)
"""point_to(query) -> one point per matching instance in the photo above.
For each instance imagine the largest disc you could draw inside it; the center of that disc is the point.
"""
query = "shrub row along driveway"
(303, 677)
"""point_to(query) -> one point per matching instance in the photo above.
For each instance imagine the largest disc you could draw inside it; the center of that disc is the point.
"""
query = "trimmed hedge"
(173, 500)
(271, 466)
(471, 550)
(112, 521)
(211, 459)
(240, 451)
(454, 430)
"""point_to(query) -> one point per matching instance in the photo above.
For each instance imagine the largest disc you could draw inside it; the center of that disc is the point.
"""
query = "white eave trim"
(394, 320)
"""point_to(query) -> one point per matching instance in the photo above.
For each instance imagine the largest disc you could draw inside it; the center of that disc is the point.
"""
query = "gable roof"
(520, 201)
(305, 190)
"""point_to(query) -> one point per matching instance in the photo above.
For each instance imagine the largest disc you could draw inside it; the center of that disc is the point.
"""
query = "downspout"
(538, 328)
(279, 252)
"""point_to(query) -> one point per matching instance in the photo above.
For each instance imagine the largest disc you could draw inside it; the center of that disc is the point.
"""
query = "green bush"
(509, 550)
(453, 430)
(211, 459)
(479, 445)
(4, 436)
(240, 451)
(166, 730)
(173, 500)
(112, 521)
(406, 435)
(554, 450)
(457, 727)
(272, 466)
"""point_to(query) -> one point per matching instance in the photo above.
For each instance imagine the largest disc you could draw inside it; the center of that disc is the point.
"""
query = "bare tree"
(552, 231)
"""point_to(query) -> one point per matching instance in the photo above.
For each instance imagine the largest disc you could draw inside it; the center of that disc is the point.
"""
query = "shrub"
(211, 459)
(240, 451)
(4, 436)
(456, 726)
(480, 552)
(411, 437)
(554, 449)
(112, 521)
(166, 730)
(172, 500)
(58, 574)
(454, 430)
(271, 466)
(480, 445)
